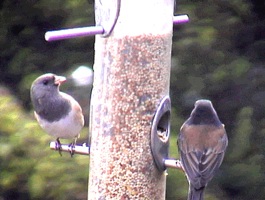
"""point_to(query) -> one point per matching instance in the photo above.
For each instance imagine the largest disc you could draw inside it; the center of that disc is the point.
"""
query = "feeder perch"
(78, 149)
(104, 27)
(160, 133)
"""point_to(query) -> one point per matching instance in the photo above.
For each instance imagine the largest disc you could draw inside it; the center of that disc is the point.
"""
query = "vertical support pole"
(131, 76)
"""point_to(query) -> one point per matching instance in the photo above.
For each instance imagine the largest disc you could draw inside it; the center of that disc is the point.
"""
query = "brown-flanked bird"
(202, 143)
(58, 113)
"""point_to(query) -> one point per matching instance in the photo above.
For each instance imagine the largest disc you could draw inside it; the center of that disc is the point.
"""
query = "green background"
(219, 55)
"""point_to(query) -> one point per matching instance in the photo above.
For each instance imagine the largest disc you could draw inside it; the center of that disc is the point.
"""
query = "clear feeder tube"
(131, 76)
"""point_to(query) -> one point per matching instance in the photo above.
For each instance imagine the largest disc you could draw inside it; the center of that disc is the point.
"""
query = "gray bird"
(57, 113)
(202, 143)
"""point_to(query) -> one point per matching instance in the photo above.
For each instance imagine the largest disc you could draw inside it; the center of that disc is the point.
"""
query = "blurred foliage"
(29, 169)
(218, 55)
(23, 50)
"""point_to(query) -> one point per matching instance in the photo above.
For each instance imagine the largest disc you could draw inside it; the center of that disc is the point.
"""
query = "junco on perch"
(57, 113)
(202, 143)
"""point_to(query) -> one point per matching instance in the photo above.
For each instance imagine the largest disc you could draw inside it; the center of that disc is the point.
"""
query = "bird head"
(204, 113)
(47, 83)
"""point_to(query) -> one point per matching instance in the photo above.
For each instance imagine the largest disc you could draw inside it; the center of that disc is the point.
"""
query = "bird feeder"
(130, 104)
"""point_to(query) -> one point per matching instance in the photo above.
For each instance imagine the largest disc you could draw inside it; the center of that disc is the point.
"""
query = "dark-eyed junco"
(58, 113)
(202, 143)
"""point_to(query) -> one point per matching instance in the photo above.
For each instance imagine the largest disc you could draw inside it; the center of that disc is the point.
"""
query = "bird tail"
(195, 194)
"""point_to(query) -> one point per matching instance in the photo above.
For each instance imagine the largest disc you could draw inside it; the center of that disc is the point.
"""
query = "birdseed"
(131, 77)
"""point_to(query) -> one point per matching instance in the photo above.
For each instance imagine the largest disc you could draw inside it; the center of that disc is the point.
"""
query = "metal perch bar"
(78, 149)
(93, 30)
(73, 33)
(172, 163)
(180, 19)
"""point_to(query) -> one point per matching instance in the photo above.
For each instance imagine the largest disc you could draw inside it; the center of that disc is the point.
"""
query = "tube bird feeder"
(130, 104)
(131, 78)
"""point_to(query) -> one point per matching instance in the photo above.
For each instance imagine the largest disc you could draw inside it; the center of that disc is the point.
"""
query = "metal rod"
(180, 19)
(83, 150)
(73, 33)
(93, 30)
(172, 163)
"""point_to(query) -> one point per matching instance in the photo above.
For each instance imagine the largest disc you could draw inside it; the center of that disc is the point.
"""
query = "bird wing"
(79, 117)
(202, 151)
(36, 116)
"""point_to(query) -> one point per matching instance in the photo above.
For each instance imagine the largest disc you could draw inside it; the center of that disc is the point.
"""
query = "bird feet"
(72, 148)
(179, 165)
(58, 146)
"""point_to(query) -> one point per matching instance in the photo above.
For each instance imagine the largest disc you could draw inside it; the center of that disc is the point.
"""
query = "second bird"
(58, 113)
(202, 143)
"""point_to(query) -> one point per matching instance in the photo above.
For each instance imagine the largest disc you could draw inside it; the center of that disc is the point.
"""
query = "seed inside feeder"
(136, 70)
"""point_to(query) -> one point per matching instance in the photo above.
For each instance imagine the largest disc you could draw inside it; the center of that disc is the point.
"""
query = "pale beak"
(59, 79)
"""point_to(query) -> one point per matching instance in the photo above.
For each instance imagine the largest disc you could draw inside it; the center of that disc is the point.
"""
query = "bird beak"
(59, 79)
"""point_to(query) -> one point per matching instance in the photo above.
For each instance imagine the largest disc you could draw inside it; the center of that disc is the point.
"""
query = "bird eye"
(45, 82)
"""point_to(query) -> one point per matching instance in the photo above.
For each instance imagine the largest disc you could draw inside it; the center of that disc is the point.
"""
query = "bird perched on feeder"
(57, 113)
(202, 143)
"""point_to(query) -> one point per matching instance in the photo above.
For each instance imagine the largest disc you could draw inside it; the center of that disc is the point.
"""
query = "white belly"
(66, 128)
